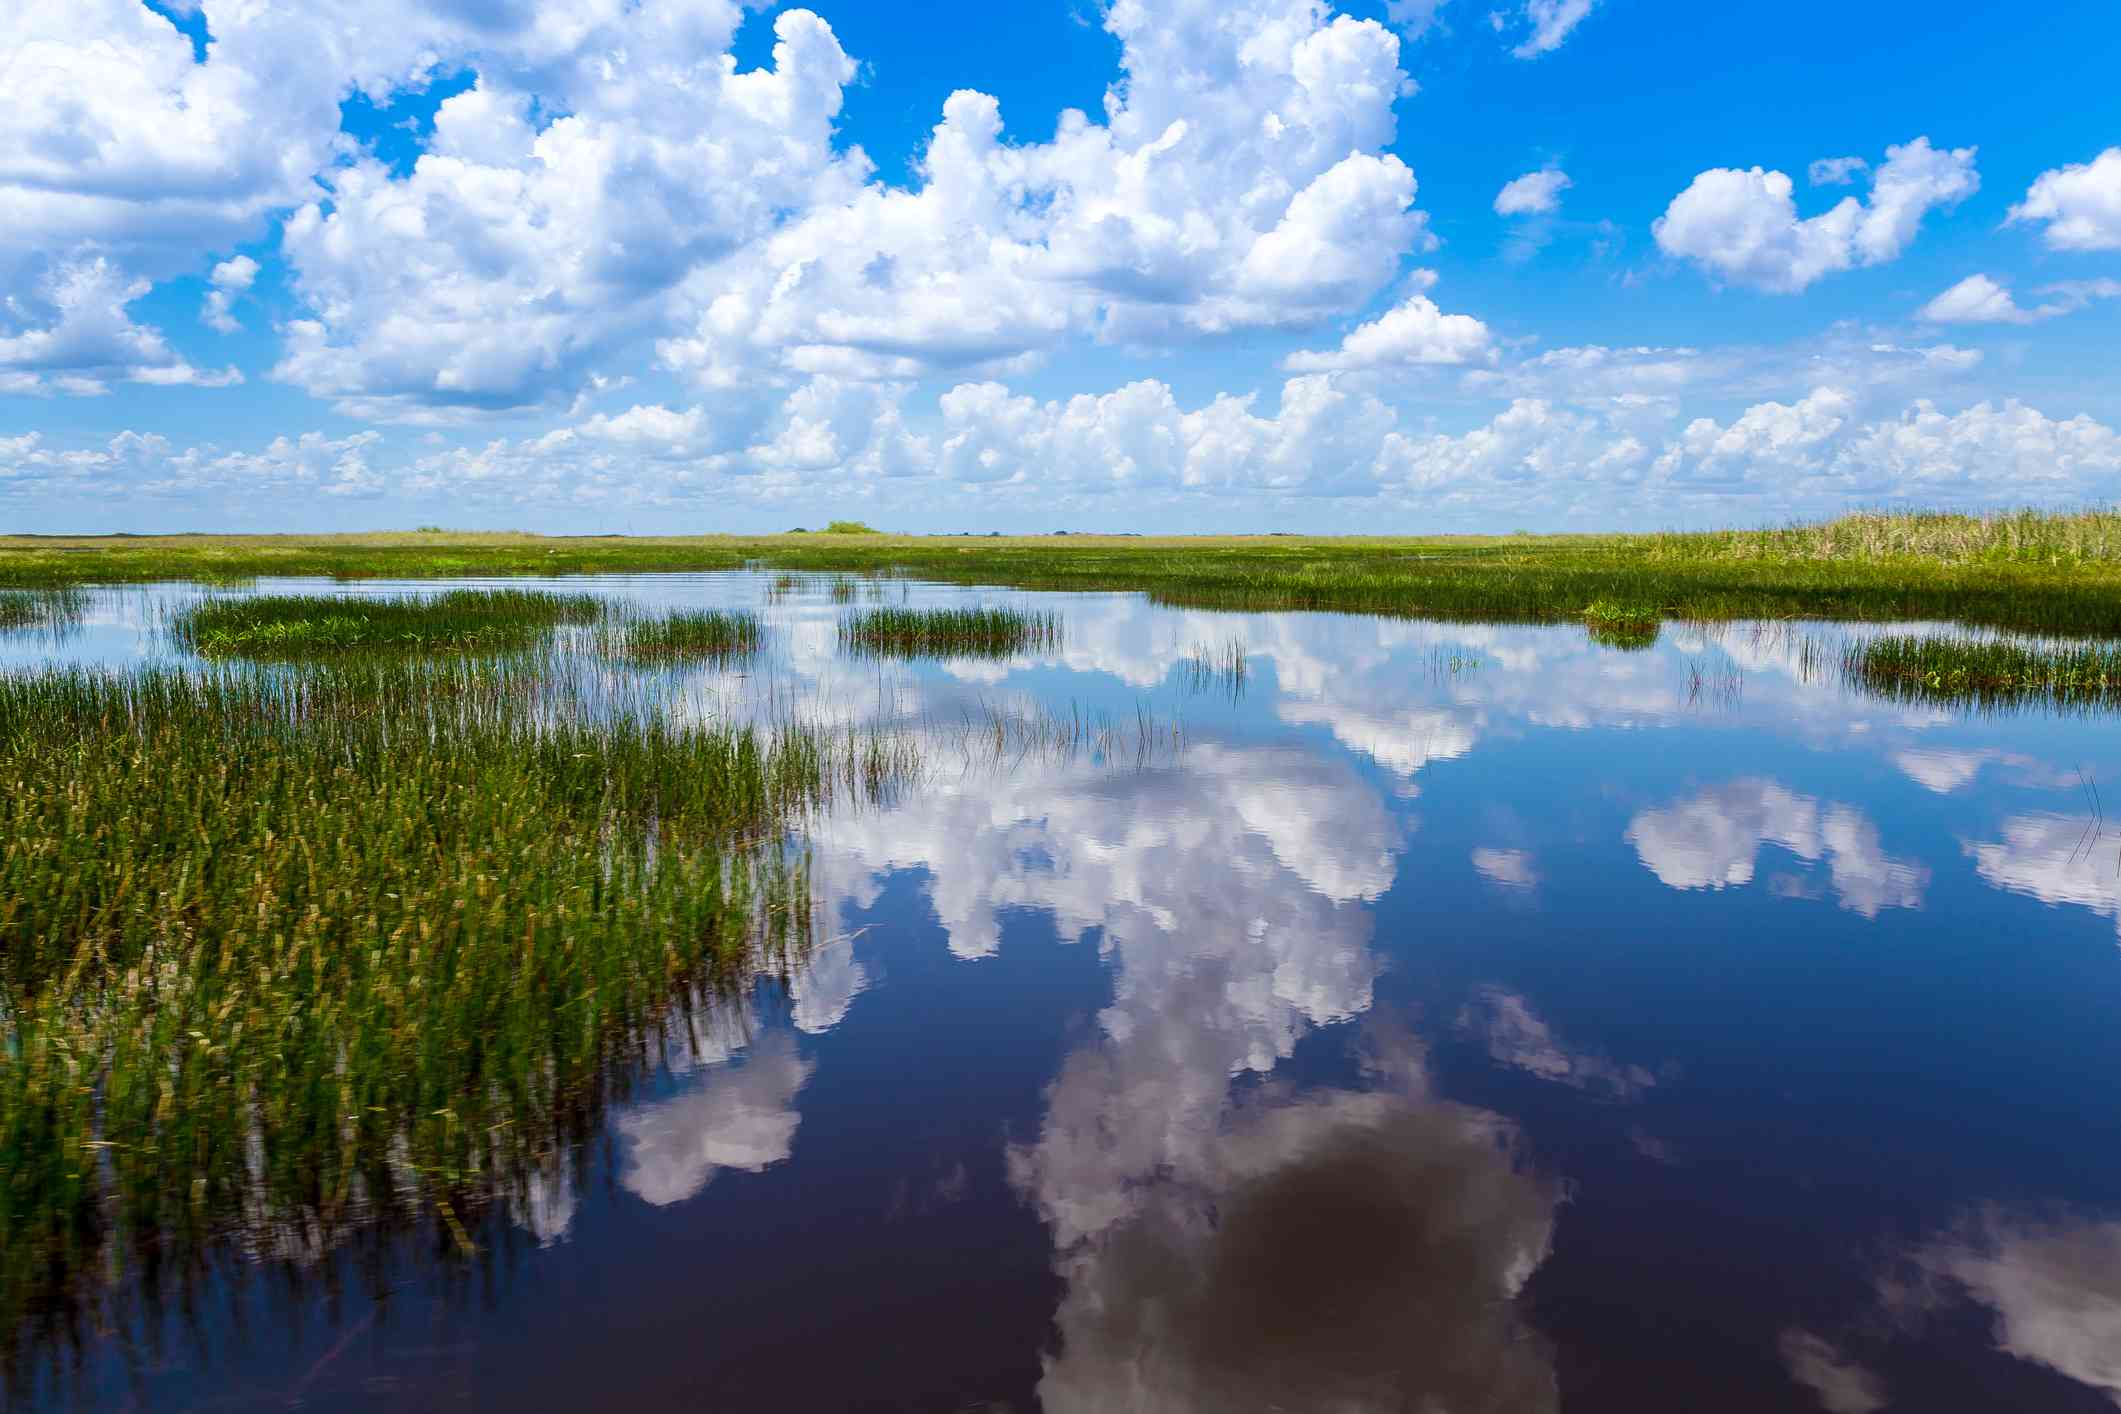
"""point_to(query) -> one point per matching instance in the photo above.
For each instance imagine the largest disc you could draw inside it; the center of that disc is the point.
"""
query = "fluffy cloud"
(1533, 194)
(1413, 332)
(1328, 437)
(228, 282)
(1742, 226)
(2080, 204)
(513, 256)
(119, 142)
(1237, 181)
(1980, 300)
(89, 339)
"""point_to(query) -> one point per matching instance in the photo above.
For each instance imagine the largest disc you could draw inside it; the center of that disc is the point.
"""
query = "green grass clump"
(711, 636)
(286, 954)
(1955, 670)
(1626, 626)
(298, 626)
(950, 633)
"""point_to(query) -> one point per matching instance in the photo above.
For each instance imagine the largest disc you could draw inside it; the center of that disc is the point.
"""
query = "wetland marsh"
(617, 989)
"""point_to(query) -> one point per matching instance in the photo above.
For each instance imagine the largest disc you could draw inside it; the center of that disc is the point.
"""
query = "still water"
(1453, 1017)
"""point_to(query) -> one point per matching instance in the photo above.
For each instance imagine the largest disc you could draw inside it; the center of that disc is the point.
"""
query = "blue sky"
(1159, 264)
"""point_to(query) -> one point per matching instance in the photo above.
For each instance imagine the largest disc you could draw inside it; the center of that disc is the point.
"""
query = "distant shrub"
(851, 527)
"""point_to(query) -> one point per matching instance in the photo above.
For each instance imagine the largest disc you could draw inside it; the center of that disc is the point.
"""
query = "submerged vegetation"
(46, 609)
(288, 953)
(1216, 667)
(2038, 572)
(709, 636)
(1958, 669)
(950, 633)
(295, 626)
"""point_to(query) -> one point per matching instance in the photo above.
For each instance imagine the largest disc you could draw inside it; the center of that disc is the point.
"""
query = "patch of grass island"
(1002, 632)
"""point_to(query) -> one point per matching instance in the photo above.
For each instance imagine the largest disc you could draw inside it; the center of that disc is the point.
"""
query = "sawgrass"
(287, 954)
(306, 626)
(711, 636)
(2035, 571)
(1000, 632)
(1954, 670)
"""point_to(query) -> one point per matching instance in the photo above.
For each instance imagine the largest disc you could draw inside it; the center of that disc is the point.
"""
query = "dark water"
(1462, 1018)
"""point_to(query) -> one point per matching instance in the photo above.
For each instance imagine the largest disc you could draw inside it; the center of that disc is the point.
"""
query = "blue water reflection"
(1452, 1016)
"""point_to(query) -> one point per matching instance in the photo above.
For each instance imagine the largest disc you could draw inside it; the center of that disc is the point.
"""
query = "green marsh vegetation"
(41, 610)
(1001, 632)
(2029, 571)
(294, 953)
(1960, 669)
(1630, 627)
(712, 637)
(308, 626)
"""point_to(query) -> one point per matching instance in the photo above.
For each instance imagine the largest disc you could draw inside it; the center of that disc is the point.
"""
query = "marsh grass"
(711, 637)
(41, 610)
(2012, 537)
(290, 627)
(2031, 571)
(950, 633)
(289, 953)
(1629, 627)
(1986, 672)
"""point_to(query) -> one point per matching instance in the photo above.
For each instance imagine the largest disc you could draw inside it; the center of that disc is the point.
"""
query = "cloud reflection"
(2054, 859)
(737, 1116)
(1345, 1251)
(1518, 1038)
(1713, 841)
(2053, 1282)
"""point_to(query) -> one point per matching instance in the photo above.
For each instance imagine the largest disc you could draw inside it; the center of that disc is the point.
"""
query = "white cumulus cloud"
(1415, 331)
(1979, 299)
(1533, 194)
(227, 283)
(2080, 204)
(1743, 227)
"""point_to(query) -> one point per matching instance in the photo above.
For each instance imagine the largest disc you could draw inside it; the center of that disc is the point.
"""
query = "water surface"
(1464, 1017)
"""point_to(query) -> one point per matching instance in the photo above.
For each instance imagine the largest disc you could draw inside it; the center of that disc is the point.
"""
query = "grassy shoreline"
(2035, 572)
